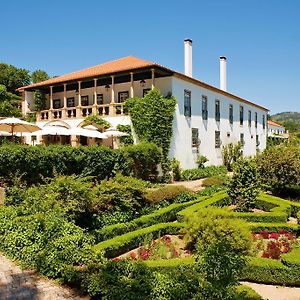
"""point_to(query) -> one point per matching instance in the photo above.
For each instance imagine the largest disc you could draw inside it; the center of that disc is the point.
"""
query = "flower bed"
(273, 244)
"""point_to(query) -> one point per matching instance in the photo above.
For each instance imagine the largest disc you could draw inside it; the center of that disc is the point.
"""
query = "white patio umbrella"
(4, 133)
(113, 133)
(13, 124)
(53, 130)
(88, 133)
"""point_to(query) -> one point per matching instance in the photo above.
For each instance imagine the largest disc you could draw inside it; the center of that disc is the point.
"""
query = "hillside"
(287, 117)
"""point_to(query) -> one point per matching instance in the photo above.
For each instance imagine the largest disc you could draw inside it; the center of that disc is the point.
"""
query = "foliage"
(38, 76)
(39, 100)
(125, 140)
(221, 243)
(279, 167)
(193, 174)
(243, 189)
(214, 180)
(143, 160)
(292, 259)
(164, 193)
(30, 117)
(201, 160)
(176, 171)
(96, 120)
(152, 118)
(13, 77)
(9, 103)
(128, 241)
(166, 214)
(231, 154)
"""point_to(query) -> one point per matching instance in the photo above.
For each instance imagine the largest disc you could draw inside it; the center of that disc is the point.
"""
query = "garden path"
(272, 292)
(18, 284)
(193, 185)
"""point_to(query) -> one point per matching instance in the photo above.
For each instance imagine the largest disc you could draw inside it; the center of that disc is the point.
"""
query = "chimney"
(188, 57)
(223, 83)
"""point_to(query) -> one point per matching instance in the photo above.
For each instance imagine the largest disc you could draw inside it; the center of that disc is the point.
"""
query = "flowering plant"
(273, 244)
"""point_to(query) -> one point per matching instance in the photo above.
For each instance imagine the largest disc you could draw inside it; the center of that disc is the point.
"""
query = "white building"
(206, 117)
(276, 131)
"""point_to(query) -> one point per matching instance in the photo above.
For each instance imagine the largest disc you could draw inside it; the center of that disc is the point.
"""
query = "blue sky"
(260, 38)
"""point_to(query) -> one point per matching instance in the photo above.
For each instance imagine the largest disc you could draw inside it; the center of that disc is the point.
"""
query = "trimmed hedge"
(270, 271)
(199, 173)
(166, 214)
(39, 162)
(128, 241)
(292, 259)
(274, 227)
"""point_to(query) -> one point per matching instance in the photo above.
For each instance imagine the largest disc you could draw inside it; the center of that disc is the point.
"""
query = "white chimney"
(188, 57)
(223, 83)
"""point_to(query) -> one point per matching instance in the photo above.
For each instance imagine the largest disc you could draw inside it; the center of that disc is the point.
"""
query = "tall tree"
(10, 104)
(38, 76)
(13, 77)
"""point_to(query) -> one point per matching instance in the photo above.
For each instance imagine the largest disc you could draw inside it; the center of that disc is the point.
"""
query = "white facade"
(276, 131)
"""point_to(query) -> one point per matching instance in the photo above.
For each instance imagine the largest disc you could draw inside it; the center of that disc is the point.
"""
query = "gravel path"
(18, 284)
(272, 292)
(193, 185)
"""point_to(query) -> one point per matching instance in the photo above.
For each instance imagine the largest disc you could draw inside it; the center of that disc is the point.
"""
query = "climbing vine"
(94, 119)
(126, 140)
(39, 100)
(152, 118)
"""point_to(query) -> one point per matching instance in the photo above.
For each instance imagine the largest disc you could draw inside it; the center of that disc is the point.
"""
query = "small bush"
(214, 180)
(176, 171)
(243, 189)
(231, 154)
(201, 160)
(165, 193)
(193, 174)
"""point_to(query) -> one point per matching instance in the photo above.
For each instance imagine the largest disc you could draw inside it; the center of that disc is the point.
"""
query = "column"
(95, 97)
(131, 93)
(152, 79)
(50, 117)
(112, 100)
(64, 111)
(78, 109)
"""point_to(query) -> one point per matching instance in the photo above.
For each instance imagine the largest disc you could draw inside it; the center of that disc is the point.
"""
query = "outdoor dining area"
(56, 133)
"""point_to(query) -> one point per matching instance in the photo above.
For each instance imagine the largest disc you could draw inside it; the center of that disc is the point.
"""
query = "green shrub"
(243, 292)
(128, 241)
(243, 189)
(125, 140)
(164, 193)
(231, 154)
(214, 180)
(292, 259)
(201, 160)
(143, 160)
(279, 167)
(193, 174)
(176, 171)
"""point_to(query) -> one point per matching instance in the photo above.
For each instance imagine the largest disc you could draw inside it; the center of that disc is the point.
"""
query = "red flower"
(274, 235)
(265, 254)
(264, 234)
(132, 255)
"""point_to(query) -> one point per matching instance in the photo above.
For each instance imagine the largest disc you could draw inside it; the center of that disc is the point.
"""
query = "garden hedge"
(34, 164)
(199, 173)
(166, 214)
(128, 241)
(292, 259)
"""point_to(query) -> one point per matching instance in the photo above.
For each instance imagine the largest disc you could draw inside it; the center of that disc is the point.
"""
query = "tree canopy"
(38, 76)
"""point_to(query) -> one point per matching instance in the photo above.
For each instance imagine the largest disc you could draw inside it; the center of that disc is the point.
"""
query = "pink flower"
(274, 235)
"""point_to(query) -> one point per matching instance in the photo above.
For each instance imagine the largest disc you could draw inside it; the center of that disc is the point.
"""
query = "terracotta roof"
(272, 123)
(124, 64)
(114, 66)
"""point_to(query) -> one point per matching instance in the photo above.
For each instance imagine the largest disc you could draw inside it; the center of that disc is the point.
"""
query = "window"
(217, 139)
(230, 113)
(242, 139)
(145, 91)
(249, 118)
(70, 102)
(187, 103)
(204, 108)
(255, 119)
(56, 103)
(195, 137)
(241, 115)
(264, 122)
(217, 110)
(84, 100)
(99, 99)
(257, 141)
(122, 96)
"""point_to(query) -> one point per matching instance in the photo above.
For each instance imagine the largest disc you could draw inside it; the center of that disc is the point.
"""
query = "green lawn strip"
(166, 214)
(131, 240)
(292, 259)
(244, 292)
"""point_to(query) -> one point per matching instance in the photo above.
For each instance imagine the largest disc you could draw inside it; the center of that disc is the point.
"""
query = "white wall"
(182, 138)
(275, 129)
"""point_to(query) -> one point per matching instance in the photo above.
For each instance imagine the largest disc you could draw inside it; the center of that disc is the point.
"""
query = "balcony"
(112, 109)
